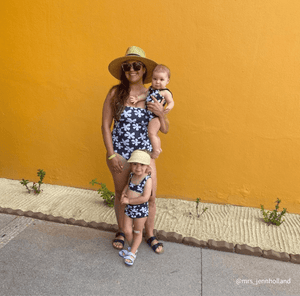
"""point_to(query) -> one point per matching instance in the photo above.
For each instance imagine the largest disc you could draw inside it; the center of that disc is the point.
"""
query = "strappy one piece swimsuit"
(130, 132)
(141, 210)
(155, 93)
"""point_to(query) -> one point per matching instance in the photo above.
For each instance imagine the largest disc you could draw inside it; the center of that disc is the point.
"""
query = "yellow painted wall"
(235, 129)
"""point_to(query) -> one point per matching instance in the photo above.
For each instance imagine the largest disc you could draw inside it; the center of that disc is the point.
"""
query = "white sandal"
(131, 257)
(124, 252)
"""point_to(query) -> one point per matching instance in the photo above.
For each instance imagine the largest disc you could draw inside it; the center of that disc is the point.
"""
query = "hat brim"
(139, 156)
(115, 66)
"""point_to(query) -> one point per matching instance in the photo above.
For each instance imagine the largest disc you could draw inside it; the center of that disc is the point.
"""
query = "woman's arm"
(107, 119)
(158, 109)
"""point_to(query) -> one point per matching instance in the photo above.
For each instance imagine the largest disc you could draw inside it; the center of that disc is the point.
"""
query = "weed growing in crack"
(273, 217)
(36, 187)
(197, 208)
(107, 195)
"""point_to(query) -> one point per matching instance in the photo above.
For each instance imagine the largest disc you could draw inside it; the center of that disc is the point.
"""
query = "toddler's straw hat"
(132, 53)
(140, 156)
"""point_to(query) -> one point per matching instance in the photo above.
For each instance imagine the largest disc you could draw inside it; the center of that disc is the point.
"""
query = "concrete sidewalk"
(46, 258)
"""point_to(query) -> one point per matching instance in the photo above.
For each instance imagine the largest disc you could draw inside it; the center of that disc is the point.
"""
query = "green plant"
(197, 207)
(273, 217)
(107, 195)
(36, 189)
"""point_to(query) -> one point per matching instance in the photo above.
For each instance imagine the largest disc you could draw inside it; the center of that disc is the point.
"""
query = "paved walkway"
(46, 258)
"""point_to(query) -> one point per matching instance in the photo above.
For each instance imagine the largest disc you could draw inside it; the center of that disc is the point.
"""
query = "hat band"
(133, 54)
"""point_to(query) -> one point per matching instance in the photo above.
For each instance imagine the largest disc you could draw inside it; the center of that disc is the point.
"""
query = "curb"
(167, 236)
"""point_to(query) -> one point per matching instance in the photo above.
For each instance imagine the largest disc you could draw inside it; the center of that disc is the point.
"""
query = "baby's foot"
(155, 153)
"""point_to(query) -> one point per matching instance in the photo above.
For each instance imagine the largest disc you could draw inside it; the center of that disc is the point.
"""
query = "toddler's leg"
(153, 129)
(138, 225)
(128, 229)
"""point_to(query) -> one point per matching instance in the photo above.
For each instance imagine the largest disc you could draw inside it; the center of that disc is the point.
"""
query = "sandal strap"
(119, 241)
(130, 256)
(150, 240)
(119, 233)
(155, 246)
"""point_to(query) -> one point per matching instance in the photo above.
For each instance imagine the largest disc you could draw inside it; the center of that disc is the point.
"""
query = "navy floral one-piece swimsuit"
(141, 210)
(131, 132)
(155, 93)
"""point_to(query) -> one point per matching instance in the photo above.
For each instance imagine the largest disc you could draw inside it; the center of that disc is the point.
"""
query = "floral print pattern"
(131, 132)
(155, 93)
(141, 210)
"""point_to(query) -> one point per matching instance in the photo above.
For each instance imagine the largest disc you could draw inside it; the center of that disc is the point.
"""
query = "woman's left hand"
(156, 107)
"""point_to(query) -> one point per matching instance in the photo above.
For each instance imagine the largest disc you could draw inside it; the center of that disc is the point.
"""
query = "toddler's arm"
(145, 196)
(169, 99)
(124, 198)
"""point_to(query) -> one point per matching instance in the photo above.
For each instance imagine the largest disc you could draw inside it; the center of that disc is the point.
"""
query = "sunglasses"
(135, 65)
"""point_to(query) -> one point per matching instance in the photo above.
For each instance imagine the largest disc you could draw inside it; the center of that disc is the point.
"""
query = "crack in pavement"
(12, 229)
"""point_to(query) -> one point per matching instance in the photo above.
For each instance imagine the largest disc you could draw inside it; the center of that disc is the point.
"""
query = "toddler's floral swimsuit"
(141, 210)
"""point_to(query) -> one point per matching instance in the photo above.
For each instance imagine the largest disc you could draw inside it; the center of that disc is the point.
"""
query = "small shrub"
(197, 208)
(273, 217)
(36, 187)
(107, 195)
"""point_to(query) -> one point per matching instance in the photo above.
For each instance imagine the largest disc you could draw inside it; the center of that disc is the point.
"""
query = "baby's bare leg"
(153, 129)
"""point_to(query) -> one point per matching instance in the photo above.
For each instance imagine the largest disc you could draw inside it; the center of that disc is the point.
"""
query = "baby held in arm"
(160, 79)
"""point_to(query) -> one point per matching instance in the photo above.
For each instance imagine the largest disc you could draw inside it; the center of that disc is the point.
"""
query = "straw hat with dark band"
(133, 53)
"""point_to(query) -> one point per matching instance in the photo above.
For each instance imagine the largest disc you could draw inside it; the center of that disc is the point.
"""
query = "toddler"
(160, 78)
(135, 196)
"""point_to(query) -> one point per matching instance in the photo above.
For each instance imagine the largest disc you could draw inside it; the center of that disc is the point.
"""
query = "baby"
(160, 79)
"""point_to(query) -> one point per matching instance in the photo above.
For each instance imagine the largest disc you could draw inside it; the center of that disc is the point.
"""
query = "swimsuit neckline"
(138, 183)
(135, 107)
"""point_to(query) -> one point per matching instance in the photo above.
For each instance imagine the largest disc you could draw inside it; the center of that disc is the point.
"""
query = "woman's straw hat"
(132, 53)
(140, 156)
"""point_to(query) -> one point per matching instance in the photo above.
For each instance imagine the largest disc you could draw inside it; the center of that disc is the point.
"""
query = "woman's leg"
(120, 180)
(149, 225)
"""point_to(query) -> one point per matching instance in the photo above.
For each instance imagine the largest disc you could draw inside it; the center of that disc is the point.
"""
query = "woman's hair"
(121, 93)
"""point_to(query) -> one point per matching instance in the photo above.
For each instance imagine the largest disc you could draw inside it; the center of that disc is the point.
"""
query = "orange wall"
(234, 136)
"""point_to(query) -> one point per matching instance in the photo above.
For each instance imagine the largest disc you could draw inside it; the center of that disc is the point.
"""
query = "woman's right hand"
(117, 165)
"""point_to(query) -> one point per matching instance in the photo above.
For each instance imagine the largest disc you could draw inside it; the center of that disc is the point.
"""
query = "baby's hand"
(133, 99)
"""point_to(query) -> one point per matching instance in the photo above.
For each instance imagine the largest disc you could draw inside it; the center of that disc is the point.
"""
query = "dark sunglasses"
(135, 65)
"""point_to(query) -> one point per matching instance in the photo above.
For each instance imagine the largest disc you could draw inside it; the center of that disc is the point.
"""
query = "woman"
(130, 131)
